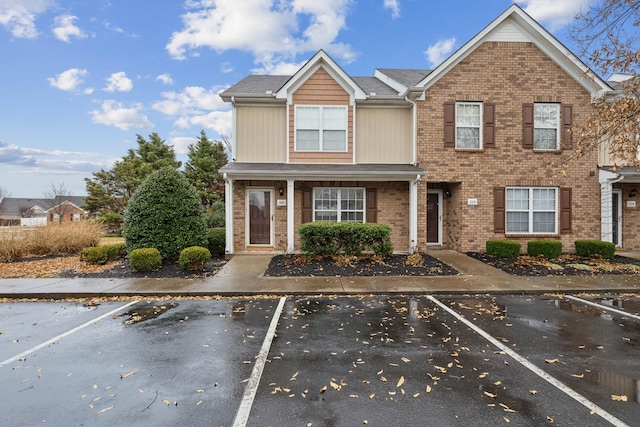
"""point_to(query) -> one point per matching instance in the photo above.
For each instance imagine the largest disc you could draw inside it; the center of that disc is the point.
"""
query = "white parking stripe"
(59, 337)
(242, 416)
(533, 368)
(603, 307)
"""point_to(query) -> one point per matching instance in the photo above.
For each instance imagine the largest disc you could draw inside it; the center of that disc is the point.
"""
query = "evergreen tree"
(201, 170)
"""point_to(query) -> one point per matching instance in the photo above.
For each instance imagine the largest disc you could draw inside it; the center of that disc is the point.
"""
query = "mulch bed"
(566, 265)
(395, 265)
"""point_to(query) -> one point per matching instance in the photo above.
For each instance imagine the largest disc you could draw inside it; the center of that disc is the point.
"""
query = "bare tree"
(58, 195)
(607, 37)
(4, 193)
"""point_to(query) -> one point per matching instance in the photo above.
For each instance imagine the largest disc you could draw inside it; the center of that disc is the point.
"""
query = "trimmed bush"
(595, 247)
(352, 238)
(102, 254)
(217, 244)
(145, 259)
(165, 213)
(550, 249)
(194, 258)
(503, 248)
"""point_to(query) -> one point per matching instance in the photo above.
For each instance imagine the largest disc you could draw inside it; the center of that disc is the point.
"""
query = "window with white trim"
(321, 128)
(532, 210)
(339, 204)
(546, 126)
(468, 125)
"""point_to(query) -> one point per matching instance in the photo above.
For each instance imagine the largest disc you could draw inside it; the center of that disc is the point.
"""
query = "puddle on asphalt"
(631, 305)
(142, 314)
(620, 387)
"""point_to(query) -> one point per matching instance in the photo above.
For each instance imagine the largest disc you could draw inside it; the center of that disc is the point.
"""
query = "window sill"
(528, 235)
(554, 151)
(469, 150)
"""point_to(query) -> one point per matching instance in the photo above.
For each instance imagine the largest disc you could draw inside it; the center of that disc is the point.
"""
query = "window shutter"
(565, 210)
(449, 124)
(567, 123)
(307, 205)
(527, 126)
(372, 205)
(488, 131)
(499, 208)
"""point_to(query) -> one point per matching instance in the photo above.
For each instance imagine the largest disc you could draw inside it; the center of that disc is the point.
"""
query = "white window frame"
(537, 125)
(339, 210)
(479, 127)
(321, 128)
(530, 210)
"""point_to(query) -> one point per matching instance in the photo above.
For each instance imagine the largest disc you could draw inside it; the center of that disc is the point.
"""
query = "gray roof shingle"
(406, 77)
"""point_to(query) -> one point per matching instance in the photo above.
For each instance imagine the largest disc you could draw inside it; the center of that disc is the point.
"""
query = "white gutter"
(228, 213)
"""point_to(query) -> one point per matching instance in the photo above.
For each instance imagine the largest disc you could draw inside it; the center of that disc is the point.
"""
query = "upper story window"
(546, 126)
(468, 125)
(321, 128)
(339, 204)
(531, 210)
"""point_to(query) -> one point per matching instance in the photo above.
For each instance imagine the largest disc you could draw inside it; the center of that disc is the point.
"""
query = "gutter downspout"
(234, 127)
(228, 213)
(413, 214)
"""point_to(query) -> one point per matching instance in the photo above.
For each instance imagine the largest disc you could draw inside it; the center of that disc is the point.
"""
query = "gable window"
(468, 122)
(531, 210)
(321, 128)
(339, 204)
(546, 126)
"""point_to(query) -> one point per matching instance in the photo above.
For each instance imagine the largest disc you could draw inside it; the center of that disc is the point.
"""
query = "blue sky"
(80, 78)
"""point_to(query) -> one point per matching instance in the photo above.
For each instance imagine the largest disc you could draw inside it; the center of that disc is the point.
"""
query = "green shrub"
(112, 221)
(145, 259)
(102, 254)
(217, 243)
(503, 248)
(352, 238)
(194, 258)
(216, 216)
(165, 213)
(595, 247)
(550, 249)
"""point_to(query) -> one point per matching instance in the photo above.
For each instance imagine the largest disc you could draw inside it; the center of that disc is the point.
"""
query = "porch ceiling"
(323, 171)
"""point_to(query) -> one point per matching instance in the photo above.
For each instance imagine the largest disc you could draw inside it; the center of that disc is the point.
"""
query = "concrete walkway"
(244, 275)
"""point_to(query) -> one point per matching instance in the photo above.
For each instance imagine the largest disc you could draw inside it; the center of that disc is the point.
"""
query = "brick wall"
(507, 74)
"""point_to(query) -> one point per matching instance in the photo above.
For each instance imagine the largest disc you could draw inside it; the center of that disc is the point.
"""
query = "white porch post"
(290, 216)
(606, 180)
(413, 214)
(228, 213)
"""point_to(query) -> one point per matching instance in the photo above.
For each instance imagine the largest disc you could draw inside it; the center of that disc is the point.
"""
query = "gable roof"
(255, 85)
(18, 205)
(514, 24)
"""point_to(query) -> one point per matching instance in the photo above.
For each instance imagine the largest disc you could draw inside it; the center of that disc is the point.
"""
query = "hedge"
(103, 254)
(216, 241)
(503, 248)
(595, 247)
(351, 238)
(549, 249)
(145, 259)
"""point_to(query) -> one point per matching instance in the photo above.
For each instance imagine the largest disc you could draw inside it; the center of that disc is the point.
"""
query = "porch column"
(228, 213)
(290, 216)
(606, 180)
(413, 214)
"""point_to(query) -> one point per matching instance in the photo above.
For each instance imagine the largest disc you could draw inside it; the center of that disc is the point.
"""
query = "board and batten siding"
(261, 134)
(320, 89)
(385, 135)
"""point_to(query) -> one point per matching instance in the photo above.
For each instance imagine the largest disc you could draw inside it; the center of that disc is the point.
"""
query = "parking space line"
(242, 416)
(603, 307)
(533, 368)
(59, 337)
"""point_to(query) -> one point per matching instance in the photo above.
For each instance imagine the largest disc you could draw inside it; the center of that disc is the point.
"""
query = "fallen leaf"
(105, 409)
(416, 395)
(428, 389)
(533, 392)
(166, 402)
(405, 360)
(334, 385)
(128, 374)
(372, 395)
(400, 381)
(323, 389)
(507, 420)
(619, 398)
(552, 360)
(578, 375)
(491, 395)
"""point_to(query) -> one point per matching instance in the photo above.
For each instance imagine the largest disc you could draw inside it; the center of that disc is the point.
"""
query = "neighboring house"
(37, 212)
(449, 158)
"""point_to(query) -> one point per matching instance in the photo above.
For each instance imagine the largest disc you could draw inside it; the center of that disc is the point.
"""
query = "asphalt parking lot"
(323, 361)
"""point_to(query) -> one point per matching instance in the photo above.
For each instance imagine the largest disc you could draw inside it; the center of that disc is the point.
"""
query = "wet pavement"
(379, 360)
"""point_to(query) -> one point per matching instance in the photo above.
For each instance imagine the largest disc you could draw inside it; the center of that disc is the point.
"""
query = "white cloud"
(394, 6)
(553, 14)
(11, 154)
(279, 69)
(269, 29)
(165, 79)
(68, 80)
(116, 114)
(19, 16)
(440, 51)
(65, 28)
(118, 82)
(181, 144)
(196, 106)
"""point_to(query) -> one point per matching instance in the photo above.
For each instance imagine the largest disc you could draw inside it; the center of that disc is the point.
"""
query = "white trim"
(557, 126)
(228, 212)
(290, 216)
(321, 129)
(247, 228)
(530, 210)
(480, 126)
(339, 209)
(413, 214)
(288, 131)
(619, 214)
(440, 200)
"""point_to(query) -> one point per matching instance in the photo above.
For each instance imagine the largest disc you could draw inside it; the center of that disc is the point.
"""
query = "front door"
(260, 217)
(616, 217)
(433, 218)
